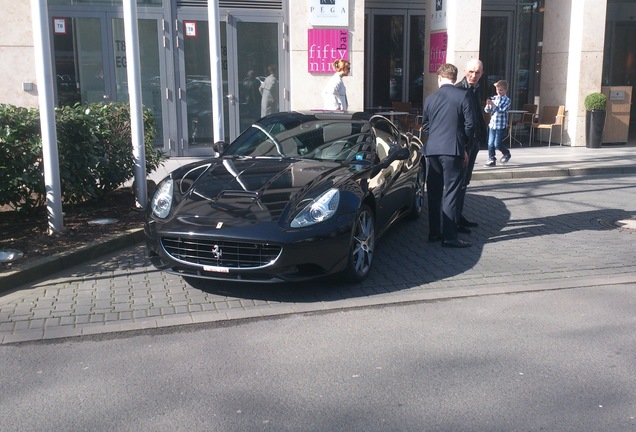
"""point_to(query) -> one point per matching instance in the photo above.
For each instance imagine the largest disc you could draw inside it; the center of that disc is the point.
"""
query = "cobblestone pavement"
(534, 234)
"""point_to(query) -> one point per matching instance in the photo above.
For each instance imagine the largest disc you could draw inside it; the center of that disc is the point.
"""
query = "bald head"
(474, 71)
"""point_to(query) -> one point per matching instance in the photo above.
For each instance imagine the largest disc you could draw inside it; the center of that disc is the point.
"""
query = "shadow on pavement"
(403, 260)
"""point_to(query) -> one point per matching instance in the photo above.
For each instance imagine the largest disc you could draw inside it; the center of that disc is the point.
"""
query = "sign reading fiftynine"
(324, 46)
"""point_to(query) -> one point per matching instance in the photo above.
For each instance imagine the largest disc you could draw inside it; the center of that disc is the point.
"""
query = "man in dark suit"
(448, 121)
(470, 82)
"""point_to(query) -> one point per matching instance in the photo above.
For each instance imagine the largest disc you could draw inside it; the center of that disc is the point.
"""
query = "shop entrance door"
(394, 72)
(510, 50)
(250, 44)
(255, 85)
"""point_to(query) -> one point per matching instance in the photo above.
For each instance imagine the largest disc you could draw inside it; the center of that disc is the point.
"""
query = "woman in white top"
(269, 92)
(335, 92)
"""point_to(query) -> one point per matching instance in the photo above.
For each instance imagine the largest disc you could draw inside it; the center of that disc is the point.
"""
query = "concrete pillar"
(463, 27)
(307, 87)
(572, 59)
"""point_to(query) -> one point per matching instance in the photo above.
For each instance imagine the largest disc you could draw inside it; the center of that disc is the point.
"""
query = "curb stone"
(46, 266)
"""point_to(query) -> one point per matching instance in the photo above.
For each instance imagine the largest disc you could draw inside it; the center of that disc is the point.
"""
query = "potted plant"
(595, 104)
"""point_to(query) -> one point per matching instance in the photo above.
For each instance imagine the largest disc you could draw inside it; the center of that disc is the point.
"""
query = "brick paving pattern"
(534, 234)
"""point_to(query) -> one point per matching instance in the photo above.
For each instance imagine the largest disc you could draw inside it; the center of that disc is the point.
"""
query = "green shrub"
(21, 170)
(595, 102)
(78, 152)
(115, 162)
(94, 150)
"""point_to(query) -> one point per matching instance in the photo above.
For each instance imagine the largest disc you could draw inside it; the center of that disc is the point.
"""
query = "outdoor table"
(393, 114)
(511, 116)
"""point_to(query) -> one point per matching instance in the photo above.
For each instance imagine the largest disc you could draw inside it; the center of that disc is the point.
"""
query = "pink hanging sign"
(324, 46)
(437, 55)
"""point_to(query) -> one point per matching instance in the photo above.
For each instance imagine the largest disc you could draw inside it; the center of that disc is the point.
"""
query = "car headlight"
(320, 209)
(162, 199)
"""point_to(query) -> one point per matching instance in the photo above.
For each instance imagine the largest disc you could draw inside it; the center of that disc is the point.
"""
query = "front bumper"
(307, 253)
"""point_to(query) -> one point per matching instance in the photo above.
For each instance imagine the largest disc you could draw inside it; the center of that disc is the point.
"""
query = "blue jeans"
(495, 141)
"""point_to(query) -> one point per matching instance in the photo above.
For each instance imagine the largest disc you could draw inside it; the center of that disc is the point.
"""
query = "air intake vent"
(236, 4)
(229, 254)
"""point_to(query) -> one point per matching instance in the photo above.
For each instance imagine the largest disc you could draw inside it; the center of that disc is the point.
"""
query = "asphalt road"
(558, 360)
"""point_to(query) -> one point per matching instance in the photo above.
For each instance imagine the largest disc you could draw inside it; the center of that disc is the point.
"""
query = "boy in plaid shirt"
(498, 107)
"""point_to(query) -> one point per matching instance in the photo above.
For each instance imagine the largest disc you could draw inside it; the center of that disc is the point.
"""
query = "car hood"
(249, 191)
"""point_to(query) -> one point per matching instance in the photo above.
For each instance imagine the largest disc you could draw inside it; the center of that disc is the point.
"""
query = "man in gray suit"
(448, 121)
(470, 82)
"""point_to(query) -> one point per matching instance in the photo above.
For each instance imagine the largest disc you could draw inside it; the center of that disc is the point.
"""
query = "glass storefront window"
(198, 83)
(257, 49)
(83, 76)
(150, 67)
(388, 68)
(78, 60)
(416, 60)
(526, 83)
(493, 52)
(510, 50)
(249, 77)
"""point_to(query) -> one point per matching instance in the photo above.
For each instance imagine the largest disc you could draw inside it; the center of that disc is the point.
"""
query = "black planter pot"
(594, 126)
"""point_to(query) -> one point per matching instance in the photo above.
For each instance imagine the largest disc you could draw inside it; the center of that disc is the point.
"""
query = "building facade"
(552, 52)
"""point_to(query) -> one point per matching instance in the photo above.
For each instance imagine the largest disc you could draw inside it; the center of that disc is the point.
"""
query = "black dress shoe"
(466, 223)
(434, 238)
(457, 243)
(463, 229)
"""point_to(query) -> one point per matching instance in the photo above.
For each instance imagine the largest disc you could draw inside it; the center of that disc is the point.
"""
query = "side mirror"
(396, 153)
(400, 153)
(219, 148)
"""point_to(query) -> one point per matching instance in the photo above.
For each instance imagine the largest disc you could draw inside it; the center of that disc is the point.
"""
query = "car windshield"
(306, 137)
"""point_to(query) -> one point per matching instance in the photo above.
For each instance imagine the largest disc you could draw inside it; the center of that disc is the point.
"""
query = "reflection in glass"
(493, 51)
(388, 67)
(149, 68)
(79, 67)
(416, 60)
(524, 80)
(257, 45)
(198, 86)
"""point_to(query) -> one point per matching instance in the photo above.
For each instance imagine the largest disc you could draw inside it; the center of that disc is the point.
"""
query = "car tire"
(417, 202)
(362, 245)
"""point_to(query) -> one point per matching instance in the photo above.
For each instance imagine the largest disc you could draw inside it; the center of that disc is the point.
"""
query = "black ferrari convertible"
(297, 196)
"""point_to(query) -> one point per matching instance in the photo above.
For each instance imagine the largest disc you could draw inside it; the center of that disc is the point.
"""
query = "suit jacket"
(448, 120)
(481, 129)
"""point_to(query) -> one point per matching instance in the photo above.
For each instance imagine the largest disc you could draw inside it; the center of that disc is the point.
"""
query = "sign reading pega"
(333, 13)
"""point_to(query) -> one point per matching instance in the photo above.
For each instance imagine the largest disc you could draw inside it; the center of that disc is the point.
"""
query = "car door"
(388, 185)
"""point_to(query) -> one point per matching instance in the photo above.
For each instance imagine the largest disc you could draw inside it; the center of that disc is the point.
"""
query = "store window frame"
(523, 88)
(403, 73)
(232, 130)
(107, 14)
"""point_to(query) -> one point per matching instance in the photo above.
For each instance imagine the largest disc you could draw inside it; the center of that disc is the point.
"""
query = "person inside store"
(498, 107)
(470, 82)
(269, 92)
(250, 95)
(335, 92)
(448, 120)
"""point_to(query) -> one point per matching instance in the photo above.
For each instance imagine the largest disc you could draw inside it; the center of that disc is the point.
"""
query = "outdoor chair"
(549, 117)
(406, 120)
(526, 118)
(415, 127)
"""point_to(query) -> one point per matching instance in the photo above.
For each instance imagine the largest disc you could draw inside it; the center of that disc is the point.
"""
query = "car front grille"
(228, 254)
